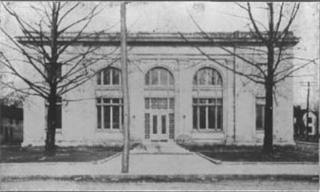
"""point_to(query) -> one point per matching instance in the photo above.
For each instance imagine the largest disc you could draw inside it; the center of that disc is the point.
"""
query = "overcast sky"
(211, 16)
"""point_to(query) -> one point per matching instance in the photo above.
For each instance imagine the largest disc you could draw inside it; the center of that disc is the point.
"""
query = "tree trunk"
(268, 120)
(51, 127)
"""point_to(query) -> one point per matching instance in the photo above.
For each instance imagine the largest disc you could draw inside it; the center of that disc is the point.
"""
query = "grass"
(63, 154)
(254, 153)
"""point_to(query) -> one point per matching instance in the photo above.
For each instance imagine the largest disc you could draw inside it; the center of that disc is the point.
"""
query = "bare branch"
(223, 48)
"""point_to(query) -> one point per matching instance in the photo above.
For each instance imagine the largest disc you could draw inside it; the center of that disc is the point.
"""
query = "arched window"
(158, 76)
(207, 77)
(109, 76)
(207, 103)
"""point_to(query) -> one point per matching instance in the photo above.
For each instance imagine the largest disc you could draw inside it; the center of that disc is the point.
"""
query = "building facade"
(176, 91)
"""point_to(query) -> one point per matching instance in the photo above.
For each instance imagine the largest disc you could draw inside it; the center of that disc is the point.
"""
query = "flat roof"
(164, 39)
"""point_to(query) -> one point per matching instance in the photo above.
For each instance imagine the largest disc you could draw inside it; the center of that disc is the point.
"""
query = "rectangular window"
(155, 123)
(109, 113)
(207, 114)
(147, 125)
(99, 116)
(260, 106)
(164, 121)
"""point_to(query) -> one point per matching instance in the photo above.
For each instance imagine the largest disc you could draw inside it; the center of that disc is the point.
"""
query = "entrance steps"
(159, 148)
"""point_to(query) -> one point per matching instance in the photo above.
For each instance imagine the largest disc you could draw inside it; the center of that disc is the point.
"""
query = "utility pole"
(124, 67)
(307, 118)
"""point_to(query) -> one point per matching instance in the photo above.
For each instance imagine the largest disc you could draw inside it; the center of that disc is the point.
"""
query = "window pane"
(116, 76)
(259, 116)
(147, 78)
(155, 123)
(106, 100)
(163, 77)
(164, 121)
(153, 103)
(106, 77)
(158, 101)
(147, 125)
(195, 101)
(212, 116)
(164, 103)
(99, 78)
(218, 79)
(99, 117)
(171, 125)
(220, 115)
(98, 100)
(170, 79)
(202, 77)
(195, 118)
(147, 103)
(122, 115)
(209, 76)
(195, 79)
(211, 101)
(107, 123)
(202, 101)
(154, 77)
(202, 117)
(171, 104)
(115, 100)
(116, 117)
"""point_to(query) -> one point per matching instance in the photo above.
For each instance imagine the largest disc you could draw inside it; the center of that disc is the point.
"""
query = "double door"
(159, 118)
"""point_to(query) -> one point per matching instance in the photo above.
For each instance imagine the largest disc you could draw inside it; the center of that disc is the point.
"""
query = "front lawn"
(63, 154)
(254, 153)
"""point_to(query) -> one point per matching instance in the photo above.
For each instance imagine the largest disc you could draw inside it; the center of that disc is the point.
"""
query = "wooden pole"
(307, 118)
(126, 132)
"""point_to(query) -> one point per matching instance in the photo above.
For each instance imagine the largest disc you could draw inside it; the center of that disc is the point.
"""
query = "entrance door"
(159, 127)
(159, 123)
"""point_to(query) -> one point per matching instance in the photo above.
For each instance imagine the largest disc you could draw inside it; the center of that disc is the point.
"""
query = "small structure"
(175, 92)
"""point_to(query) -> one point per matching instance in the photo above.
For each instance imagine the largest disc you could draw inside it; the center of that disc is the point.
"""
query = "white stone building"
(174, 91)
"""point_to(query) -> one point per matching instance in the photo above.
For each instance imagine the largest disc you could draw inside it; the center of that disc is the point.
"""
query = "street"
(61, 185)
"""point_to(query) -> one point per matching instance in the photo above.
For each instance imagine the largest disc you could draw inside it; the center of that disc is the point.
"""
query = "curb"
(267, 163)
(164, 178)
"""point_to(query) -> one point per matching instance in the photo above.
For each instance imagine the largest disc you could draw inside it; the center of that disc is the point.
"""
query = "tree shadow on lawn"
(254, 153)
(63, 154)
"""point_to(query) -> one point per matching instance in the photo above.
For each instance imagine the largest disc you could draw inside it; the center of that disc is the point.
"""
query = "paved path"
(154, 163)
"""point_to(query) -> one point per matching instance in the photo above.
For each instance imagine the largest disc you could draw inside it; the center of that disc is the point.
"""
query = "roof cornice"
(164, 39)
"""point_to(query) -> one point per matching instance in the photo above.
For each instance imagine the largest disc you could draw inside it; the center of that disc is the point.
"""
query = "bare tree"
(51, 48)
(275, 43)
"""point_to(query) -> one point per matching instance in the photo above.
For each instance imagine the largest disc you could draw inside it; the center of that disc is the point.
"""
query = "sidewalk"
(159, 164)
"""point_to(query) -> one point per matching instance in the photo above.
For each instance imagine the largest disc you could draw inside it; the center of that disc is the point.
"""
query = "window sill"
(109, 87)
(207, 131)
(159, 88)
(108, 130)
(207, 88)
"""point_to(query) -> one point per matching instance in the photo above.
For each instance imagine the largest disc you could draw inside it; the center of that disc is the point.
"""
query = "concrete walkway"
(147, 161)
